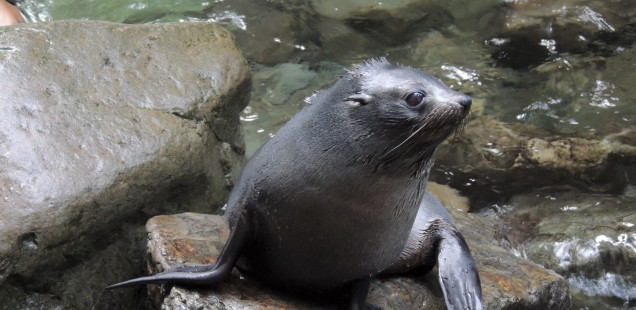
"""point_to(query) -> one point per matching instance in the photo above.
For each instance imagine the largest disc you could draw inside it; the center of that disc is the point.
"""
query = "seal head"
(413, 108)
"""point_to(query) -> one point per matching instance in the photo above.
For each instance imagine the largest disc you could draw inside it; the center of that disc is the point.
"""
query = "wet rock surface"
(590, 239)
(104, 125)
(508, 282)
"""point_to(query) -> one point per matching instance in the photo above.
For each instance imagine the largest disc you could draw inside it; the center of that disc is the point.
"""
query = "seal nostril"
(465, 101)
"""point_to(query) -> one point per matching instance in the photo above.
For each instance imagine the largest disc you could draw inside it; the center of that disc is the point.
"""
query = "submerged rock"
(508, 282)
(104, 125)
(495, 160)
(278, 93)
(534, 30)
(267, 35)
(396, 15)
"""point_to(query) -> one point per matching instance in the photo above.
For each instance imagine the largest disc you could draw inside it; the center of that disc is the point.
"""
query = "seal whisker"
(413, 134)
(436, 120)
(462, 125)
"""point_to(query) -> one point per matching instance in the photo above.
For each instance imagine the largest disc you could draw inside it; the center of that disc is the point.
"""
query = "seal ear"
(359, 99)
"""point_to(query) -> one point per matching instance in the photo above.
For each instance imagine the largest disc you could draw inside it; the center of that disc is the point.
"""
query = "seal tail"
(176, 277)
(199, 274)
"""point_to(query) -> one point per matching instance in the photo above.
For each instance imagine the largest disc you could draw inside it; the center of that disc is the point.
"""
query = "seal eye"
(414, 99)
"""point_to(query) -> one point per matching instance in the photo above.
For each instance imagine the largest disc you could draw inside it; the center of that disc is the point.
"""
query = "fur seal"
(337, 196)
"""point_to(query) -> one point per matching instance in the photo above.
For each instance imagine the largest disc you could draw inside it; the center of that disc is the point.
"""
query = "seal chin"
(443, 121)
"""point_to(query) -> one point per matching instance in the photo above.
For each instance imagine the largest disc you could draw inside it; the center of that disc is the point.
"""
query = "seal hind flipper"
(458, 273)
(200, 274)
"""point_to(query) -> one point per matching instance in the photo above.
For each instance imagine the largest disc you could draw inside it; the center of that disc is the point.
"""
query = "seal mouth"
(439, 124)
(425, 135)
(466, 104)
(461, 126)
(436, 126)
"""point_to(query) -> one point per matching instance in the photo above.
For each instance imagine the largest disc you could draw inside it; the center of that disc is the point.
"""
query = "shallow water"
(562, 68)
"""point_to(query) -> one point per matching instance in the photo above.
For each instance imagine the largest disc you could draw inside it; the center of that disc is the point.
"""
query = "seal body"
(331, 200)
(332, 220)
(335, 192)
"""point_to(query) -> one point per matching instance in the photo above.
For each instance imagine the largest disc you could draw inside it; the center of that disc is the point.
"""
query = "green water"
(124, 11)
(563, 68)
(574, 99)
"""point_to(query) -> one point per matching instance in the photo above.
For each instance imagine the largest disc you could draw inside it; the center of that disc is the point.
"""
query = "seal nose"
(465, 101)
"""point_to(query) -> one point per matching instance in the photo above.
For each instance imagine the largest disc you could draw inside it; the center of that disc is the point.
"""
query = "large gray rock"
(508, 282)
(103, 125)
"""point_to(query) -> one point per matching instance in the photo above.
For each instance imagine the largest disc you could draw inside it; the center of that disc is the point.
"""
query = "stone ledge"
(508, 282)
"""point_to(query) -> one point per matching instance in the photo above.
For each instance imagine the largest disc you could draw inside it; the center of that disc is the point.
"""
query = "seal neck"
(418, 165)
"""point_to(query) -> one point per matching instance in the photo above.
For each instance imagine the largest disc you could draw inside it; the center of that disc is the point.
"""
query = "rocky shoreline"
(106, 125)
(127, 132)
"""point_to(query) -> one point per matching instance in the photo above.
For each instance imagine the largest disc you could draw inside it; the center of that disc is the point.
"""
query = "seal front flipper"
(457, 272)
(435, 240)
(199, 274)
